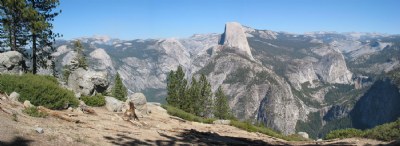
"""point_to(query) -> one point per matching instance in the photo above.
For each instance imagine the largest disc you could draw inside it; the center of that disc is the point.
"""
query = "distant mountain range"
(312, 82)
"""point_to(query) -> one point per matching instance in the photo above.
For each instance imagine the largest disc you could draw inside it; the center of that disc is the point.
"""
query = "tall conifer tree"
(221, 107)
(119, 91)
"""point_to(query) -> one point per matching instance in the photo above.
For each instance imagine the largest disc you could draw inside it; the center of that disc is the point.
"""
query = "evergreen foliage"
(80, 58)
(204, 102)
(221, 107)
(119, 90)
(14, 33)
(195, 98)
(97, 100)
(28, 22)
(176, 88)
(385, 132)
(39, 90)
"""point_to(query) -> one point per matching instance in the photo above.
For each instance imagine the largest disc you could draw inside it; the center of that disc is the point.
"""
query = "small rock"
(303, 134)
(14, 96)
(39, 130)
(78, 95)
(70, 109)
(79, 110)
(27, 104)
(222, 122)
(82, 103)
(319, 139)
(113, 105)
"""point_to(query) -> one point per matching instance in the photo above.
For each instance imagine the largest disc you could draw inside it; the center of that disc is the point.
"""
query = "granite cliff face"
(235, 38)
(287, 81)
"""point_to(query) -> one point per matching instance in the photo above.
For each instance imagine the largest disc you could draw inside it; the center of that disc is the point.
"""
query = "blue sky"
(141, 19)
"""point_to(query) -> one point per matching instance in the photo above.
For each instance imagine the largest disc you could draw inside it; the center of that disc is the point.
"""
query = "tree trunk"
(34, 62)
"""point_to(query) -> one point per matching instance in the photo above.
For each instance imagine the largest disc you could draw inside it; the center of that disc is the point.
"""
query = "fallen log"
(5, 111)
(179, 119)
(57, 114)
(88, 110)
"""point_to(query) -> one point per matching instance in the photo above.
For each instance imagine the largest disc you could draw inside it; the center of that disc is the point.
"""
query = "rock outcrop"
(140, 102)
(235, 38)
(380, 104)
(332, 68)
(113, 104)
(301, 71)
(87, 82)
(10, 62)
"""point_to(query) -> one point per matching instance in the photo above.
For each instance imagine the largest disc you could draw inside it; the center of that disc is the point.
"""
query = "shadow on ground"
(17, 141)
(188, 136)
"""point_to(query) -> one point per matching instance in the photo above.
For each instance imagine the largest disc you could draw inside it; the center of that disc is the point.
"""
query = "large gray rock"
(234, 37)
(140, 102)
(14, 96)
(28, 104)
(10, 62)
(113, 104)
(303, 134)
(87, 82)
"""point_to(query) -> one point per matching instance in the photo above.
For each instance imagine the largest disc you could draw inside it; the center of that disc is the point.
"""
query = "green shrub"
(34, 112)
(385, 132)
(97, 100)
(184, 115)
(344, 133)
(246, 125)
(39, 90)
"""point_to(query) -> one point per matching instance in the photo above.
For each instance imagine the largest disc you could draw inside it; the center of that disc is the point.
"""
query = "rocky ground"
(108, 128)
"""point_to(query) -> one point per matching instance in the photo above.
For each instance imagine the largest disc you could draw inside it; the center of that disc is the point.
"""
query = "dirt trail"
(107, 128)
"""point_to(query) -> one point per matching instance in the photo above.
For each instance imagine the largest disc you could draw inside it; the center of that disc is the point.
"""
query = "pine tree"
(119, 91)
(177, 88)
(205, 99)
(191, 100)
(181, 86)
(39, 15)
(14, 30)
(172, 93)
(80, 58)
(221, 107)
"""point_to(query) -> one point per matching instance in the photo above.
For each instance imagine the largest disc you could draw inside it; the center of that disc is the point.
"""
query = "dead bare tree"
(130, 112)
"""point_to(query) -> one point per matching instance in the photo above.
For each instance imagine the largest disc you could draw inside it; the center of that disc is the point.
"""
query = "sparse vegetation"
(238, 76)
(97, 100)
(14, 117)
(312, 127)
(39, 90)
(241, 125)
(66, 72)
(385, 132)
(34, 112)
(208, 68)
(184, 115)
